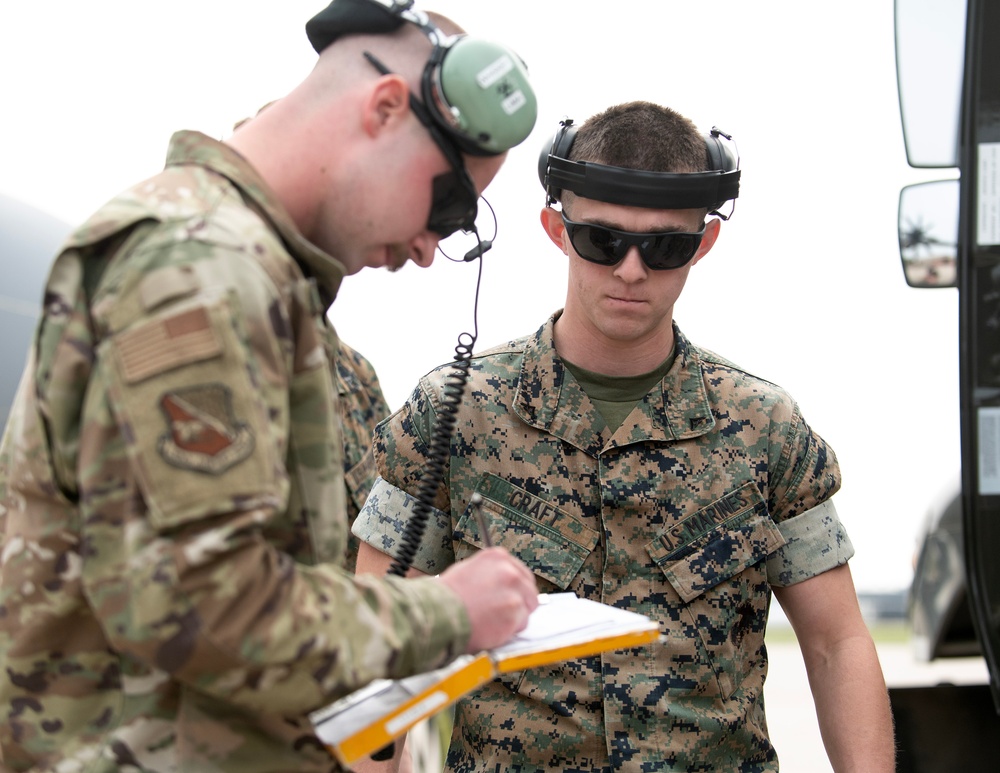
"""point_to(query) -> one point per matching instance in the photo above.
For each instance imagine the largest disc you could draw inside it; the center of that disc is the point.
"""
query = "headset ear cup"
(720, 156)
(543, 168)
(485, 91)
(716, 155)
(562, 142)
(720, 159)
(564, 138)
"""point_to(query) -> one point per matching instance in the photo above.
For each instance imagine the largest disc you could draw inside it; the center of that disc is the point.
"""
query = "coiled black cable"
(438, 456)
(439, 453)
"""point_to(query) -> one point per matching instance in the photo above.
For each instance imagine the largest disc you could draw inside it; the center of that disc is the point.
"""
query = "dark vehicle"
(938, 604)
(948, 69)
(29, 239)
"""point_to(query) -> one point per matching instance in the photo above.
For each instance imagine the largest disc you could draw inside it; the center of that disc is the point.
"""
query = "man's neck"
(587, 348)
(276, 143)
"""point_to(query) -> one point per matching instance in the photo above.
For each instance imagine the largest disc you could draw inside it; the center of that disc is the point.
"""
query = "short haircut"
(641, 135)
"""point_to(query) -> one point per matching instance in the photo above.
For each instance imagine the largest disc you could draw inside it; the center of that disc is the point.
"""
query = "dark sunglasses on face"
(454, 201)
(608, 246)
(454, 204)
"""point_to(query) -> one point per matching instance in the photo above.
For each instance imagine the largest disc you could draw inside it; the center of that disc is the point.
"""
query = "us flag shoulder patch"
(163, 344)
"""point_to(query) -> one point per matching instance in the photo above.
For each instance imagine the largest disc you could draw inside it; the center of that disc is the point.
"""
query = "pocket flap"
(716, 543)
(552, 542)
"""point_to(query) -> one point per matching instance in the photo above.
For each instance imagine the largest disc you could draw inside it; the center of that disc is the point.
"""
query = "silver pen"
(477, 507)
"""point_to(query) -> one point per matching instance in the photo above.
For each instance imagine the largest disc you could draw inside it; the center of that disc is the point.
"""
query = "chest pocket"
(715, 543)
(551, 542)
(715, 560)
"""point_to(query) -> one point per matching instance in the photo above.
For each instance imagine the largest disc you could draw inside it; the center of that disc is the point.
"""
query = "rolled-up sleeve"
(815, 542)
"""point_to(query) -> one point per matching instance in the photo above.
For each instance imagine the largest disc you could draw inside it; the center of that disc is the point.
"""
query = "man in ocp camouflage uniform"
(626, 464)
(361, 406)
(172, 511)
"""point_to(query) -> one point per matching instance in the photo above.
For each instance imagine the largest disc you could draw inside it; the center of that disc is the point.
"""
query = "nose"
(423, 247)
(631, 268)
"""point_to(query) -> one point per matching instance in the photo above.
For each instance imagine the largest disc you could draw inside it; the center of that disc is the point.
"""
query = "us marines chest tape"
(477, 91)
(638, 188)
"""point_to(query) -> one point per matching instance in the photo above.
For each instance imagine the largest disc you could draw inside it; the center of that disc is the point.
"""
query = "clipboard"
(563, 627)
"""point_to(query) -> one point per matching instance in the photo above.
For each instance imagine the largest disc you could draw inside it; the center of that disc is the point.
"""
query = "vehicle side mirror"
(930, 62)
(928, 233)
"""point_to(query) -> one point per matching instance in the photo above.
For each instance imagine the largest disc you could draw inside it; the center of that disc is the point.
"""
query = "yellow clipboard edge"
(430, 701)
(581, 650)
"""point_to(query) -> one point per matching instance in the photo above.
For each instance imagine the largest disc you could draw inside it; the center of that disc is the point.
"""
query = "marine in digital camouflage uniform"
(679, 514)
(172, 494)
(362, 406)
(686, 489)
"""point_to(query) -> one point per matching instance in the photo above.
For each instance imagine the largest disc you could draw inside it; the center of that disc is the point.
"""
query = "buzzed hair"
(641, 135)
(404, 51)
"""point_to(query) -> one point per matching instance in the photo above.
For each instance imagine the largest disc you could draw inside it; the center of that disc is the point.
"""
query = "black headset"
(638, 188)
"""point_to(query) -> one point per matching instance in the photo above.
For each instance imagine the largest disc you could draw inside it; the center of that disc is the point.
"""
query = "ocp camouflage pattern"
(172, 497)
(712, 489)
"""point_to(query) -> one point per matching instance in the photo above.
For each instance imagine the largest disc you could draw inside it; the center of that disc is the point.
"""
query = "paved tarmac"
(791, 717)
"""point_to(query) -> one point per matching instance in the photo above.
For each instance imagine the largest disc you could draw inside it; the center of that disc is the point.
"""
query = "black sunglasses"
(454, 201)
(608, 246)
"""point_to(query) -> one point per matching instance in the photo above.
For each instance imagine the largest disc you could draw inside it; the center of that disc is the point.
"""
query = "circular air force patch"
(203, 435)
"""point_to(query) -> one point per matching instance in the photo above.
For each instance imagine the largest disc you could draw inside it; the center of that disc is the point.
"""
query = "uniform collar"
(549, 398)
(189, 147)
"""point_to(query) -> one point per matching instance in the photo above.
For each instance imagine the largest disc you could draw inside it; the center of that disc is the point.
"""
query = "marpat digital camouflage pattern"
(172, 497)
(712, 489)
(362, 406)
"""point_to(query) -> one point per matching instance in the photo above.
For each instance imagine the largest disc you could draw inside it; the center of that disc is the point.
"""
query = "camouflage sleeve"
(382, 522)
(402, 445)
(806, 476)
(815, 542)
(192, 562)
(806, 472)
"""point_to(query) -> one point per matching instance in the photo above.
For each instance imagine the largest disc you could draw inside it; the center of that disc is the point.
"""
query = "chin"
(625, 330)
(397, 257)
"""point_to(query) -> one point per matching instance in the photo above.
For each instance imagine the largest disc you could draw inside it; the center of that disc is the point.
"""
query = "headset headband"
(638, 188)
(476, 91)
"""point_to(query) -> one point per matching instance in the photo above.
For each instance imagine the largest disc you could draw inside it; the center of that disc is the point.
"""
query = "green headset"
(476, 91)
(638, 188)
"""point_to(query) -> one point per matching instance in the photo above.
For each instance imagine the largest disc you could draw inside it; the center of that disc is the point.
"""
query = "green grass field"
(885, 632)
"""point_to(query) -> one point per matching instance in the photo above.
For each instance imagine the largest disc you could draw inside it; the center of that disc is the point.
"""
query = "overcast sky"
(803, 288)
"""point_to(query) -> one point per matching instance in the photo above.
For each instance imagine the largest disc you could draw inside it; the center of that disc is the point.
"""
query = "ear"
(554, 226)
(712, 228)
(388, 102)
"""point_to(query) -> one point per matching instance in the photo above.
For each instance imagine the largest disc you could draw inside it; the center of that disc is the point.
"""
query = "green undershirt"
(616, 396)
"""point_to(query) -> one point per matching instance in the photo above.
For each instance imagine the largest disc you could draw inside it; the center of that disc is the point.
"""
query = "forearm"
(852, 703)
(227, 613)
(372, 561)
(852, 706)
